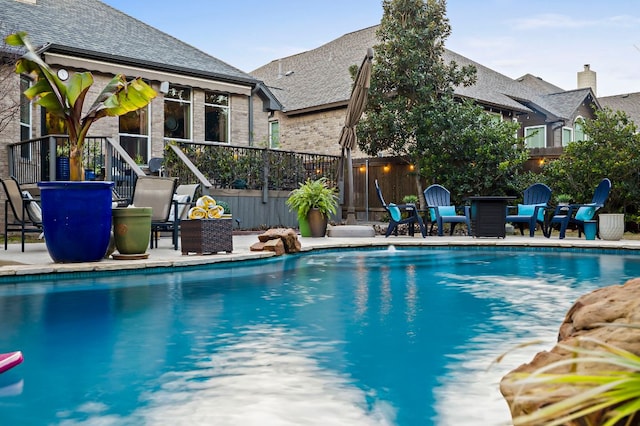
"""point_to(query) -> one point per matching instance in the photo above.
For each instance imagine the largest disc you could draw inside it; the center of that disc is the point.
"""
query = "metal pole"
(366, 188)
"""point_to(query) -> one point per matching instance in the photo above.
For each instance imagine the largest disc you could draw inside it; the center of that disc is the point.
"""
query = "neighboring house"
(200, 98)
(629, 103)
(314, 89)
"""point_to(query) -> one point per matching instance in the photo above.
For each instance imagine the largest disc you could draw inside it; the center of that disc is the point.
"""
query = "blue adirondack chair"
(579, 213)
(438, 200)
(395, 215)
(531, 211)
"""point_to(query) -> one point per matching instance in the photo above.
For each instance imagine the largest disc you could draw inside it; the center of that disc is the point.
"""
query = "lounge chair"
(157, 193)
(579, 213)
(185, 195)
(26, 216)
(438, 200)
(395, 215)
(532, 210)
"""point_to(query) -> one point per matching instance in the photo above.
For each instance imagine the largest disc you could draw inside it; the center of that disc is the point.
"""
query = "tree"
(66, 101)
(474, 153)
(9, 104)
(412, 111)
(611, 150)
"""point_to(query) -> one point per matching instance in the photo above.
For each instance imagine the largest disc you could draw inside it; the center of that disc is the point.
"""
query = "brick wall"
(315, 132)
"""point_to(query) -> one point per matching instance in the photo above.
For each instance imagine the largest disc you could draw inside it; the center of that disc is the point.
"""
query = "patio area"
(36, 260)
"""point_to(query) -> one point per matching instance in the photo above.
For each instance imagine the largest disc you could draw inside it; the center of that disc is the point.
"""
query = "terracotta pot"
(317, 223)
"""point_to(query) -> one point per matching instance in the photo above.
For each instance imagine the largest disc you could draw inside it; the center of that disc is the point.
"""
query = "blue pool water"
(367, 337)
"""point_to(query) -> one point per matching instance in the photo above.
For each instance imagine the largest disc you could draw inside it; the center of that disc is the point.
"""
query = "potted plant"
(563, 199)
(62, 161)
(71, 234)
(314, 201)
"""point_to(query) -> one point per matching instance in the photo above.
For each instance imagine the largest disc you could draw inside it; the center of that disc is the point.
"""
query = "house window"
(578, 130)
(177, 113)
(134, 134)
(274, 134)
(495, 117)
(25, 118)
(535, 136)
(567, 135)
(216, 117)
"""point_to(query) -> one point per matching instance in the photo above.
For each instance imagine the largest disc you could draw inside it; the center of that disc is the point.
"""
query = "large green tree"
(412, 111)
(611, 150)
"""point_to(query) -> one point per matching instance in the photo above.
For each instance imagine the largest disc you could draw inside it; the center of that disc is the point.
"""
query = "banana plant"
(66, 100)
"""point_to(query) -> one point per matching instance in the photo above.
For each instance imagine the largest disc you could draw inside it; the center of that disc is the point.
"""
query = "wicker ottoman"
(206, 236)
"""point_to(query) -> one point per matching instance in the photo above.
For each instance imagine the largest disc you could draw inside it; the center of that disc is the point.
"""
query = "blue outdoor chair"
(579, 213)
(395, 215)
(438, 200)
(532, 210)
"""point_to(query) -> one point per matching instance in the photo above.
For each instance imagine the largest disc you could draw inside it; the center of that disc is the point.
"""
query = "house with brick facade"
(314, 89)
(200, 98)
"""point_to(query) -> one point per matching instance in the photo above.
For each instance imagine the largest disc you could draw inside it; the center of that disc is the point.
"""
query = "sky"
(552, 41)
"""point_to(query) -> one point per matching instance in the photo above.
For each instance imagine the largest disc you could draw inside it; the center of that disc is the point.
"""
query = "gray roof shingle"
(629, 103)
(92, 26)
(320, 79)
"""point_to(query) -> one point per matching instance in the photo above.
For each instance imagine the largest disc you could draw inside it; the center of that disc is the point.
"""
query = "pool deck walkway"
(36, 260)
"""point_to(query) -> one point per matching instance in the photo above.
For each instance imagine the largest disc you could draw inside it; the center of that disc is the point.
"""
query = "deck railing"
(47, 159)
(227, 166)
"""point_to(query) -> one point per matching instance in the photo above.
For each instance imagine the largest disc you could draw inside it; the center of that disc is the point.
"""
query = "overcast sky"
(554, 41)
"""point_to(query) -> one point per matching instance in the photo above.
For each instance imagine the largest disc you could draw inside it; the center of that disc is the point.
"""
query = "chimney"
(587, 78)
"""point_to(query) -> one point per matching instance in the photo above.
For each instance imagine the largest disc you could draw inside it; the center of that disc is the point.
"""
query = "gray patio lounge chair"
(157, 193)
(25, 212)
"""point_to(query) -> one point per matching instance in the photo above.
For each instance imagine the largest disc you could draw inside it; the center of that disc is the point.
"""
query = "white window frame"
(25, 150)
(527, 139)
(579, 121)
(570, 130)
(271, 141)
(147, 136)
(228, 111)
(182, 101)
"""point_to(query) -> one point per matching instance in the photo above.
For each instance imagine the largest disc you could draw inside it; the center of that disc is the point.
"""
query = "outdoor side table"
(489, 215)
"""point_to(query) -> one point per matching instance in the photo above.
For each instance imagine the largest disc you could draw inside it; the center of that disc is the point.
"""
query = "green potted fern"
(314, 201)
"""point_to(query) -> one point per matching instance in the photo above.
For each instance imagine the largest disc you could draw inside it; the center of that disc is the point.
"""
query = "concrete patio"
(36, 260)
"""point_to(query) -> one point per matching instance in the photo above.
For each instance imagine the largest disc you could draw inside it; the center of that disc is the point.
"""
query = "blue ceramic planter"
(76, 218)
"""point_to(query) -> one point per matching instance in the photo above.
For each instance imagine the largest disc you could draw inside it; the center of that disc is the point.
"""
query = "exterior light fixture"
(386, 168)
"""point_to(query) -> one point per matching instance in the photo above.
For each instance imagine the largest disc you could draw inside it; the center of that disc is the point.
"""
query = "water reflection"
(262, 376)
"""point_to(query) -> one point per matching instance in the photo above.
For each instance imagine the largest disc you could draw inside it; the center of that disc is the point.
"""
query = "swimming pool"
(368, 337)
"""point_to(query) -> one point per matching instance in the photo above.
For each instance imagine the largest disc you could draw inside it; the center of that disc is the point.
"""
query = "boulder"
(588, 317)
(276, 246)
(288, 236)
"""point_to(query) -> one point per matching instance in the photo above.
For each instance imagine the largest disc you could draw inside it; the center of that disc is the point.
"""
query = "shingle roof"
(90, 25)
(629, 103)
(320, 78)
(565, 104)
(538, 84)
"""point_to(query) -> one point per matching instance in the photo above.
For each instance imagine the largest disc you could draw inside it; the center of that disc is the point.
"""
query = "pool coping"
(36, 261)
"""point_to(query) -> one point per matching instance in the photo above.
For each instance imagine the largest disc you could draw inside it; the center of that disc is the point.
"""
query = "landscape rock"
(588, 317)
(276, 246)
(288, 236)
